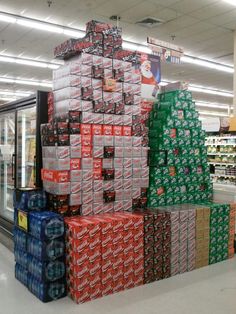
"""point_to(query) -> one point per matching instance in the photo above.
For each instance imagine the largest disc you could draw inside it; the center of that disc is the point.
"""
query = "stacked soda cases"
(39, 247)
(232, 217)
(94, 159)
(104, 255)
(202, 236)
(157, 245)
(219, 232)
(179, 172)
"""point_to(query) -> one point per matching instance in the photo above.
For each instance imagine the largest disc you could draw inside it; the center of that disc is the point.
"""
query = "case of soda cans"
(39, 247)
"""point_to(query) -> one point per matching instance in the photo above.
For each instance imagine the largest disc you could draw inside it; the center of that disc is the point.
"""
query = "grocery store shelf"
(220, 137)
(221, 164)
(219, 144)
(222, 154)
(223, 175)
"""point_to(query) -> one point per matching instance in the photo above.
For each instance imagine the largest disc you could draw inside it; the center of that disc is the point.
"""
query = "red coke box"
(107, 289)
(107, 252)
(118, 262)
(80, 272)
(128, 236)
(107, 240)
(128, 271)
(107, 130)
(78, 284)
(138, 258)
(107, 277)
(129, 260)
(86, 152)
(129, 282)
(96, 129)
(56, 176)
(118, 285)
(117, 238)
(86, 140)
(127, 131)
(129, 248)
(80, 296)
(85, 129)
(95, 267)
(138, 235)
(75, 164)
(138, 281)
(118, 273)
(96, 292)
(139, 269)
(97, 164)
(95, 280)
(138, 246)
(75, 259)
(117, 130)
(116, 222)
(78, 245)
(126, 220)
(105, 223)
(118, 249)
(106, 266)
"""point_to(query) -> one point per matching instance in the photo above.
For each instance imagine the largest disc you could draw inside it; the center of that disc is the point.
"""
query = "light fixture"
(15, 93)
(24, 81)
(232, 2)
(207, 64)
(202, 89)
(211, 105)
(214, 114)
(30, 62)
(78, 33)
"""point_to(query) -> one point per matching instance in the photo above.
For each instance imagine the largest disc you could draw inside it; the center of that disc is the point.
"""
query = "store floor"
(208, 290)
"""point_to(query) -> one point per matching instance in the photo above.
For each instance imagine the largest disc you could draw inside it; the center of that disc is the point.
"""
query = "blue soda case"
(46, 250)
(30, 199)
(47, 292)
(21, 257)
(46, 271)
(46, 225)
(20, 239)
(21, 274)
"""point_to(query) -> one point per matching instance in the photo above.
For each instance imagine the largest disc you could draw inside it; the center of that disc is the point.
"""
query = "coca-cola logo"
(82, 272)
(48, 175)
(94, 281)
(81, 260)
(117, 239)
(128, 224)
(117, 251)
(82, 246)
(118, 274)
(128, 248)
(128, 237)
(106, 266)
(94, 256)
(138, 235)
(107, 290)
(82, 285)
(106, 241)
(128, 260)
(94, 269)
(107, 253)
(94, 230)
(94, 243)
(84, 297)
(138, 247)
(128, 272)
(95, 294)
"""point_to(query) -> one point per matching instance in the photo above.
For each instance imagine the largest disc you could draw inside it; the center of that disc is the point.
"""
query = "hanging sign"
(168, 52)
(211, 124)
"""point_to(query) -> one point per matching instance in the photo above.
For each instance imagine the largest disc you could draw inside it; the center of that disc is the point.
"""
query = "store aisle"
(208, 290)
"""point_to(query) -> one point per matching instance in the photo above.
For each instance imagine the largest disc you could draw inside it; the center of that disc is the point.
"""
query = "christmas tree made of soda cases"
(179, 172)
(94, 157)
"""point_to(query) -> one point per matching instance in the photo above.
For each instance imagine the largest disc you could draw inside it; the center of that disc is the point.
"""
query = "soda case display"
(104, 254)
(94, 160)
(232, 217)
(39, 246)
(179, 172)
(219, 232)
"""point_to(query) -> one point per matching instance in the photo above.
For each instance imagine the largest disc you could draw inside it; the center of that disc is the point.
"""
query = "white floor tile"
(208, 290)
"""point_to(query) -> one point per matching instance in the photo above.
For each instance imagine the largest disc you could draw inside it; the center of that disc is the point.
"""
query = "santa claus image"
(147, 76)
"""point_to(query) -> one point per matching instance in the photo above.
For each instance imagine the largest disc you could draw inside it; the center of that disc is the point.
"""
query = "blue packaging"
(20, 239)
(21, 257)
(47, 292)
(21, 274)
(28, 199)
(46, 225)
(46, 250)
(46, 271)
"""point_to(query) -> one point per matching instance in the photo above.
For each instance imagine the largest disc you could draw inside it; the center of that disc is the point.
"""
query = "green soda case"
(184, 198)
(165, 171)
(166, 180)
(181, 180)
(177, 123)
(190, 197)
(169, 189)
(188, 114)
(180, 132)
(194, 133)
(195, 114)
(173, 96)
(182, 141)
(169, 199)
(191, 105)
(212, 259)
(155, 171)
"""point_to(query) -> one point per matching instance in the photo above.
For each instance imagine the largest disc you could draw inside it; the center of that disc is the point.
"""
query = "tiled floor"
(205, 291)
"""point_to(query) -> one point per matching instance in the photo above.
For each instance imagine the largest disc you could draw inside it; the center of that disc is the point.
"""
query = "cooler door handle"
(13, 159)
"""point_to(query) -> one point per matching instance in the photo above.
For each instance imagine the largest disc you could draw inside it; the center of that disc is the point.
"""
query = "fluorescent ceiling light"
(201, 89)
(207, 64)
(39, 25)
(8, 99)
(7, 18)
(15, 93)
(232, 2)
(212, 105)
(215, 114)
(30, 62)
(23, 81)
(78, 33)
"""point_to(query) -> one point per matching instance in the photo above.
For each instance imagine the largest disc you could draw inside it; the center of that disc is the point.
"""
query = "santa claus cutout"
(147, 75)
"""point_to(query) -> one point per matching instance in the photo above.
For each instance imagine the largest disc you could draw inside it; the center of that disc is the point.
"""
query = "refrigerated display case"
(20, 150)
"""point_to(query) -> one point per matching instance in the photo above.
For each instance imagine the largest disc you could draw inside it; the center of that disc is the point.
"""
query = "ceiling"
(204, 28)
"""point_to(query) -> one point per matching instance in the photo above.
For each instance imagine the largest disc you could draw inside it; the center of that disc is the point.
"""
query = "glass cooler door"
(26, 147)
(7, 164)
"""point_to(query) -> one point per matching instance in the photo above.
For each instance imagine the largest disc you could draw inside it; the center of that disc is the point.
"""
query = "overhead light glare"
(39, 25)
(207, 64)
(204, 90)
(215, 114)
(7, 18)
(232, 2)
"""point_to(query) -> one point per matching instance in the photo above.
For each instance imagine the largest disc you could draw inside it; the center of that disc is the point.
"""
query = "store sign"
(211, 124)
(168, 52)
(150, 68)
(22, 220)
